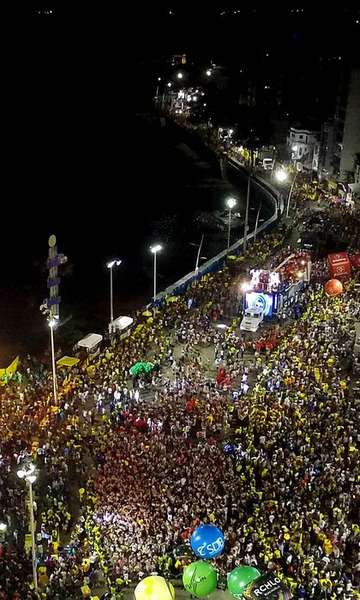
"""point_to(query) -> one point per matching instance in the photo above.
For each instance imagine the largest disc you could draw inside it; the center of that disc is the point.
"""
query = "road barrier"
(218, 261)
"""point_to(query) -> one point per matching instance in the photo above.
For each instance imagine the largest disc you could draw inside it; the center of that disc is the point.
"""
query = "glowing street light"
(154, 250)
(230, 203)
(169, 84)
(28, 473)
(208, 72)
(115, 262)
(3, 527)
(245, 286)
(180, 75)
(281, 175)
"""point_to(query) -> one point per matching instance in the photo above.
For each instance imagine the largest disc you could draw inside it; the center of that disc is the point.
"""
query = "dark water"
(102, 203)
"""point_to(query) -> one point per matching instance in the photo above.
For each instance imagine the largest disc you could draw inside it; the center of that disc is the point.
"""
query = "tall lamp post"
(282, 176)
(28, 473)
(246, 222)
(155, 249)
(52, 322)
(230, 203)
(50, 306)
(257, 221)
(116, 262)
(198, 255)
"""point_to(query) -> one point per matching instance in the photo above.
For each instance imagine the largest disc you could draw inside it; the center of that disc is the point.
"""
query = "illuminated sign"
(264, 302)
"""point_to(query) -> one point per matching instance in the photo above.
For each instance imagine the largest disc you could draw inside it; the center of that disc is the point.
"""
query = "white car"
(251, 319)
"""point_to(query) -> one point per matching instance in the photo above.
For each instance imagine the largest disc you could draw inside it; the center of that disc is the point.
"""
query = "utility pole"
(246, 223)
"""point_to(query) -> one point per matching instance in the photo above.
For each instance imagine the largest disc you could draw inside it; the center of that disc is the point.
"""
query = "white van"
(251, 319)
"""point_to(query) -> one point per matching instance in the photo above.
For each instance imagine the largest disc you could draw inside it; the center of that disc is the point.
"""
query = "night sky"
(77, 163)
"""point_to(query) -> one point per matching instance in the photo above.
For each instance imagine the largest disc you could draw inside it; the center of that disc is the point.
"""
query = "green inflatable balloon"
(200, 579)
(240, 578)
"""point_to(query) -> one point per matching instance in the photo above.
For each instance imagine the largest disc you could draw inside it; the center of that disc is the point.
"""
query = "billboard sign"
(257, 300)
(267, 587)
(339, 264)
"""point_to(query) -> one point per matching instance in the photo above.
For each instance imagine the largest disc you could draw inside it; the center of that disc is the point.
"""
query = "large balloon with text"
(333, 287)
(154, 588)
(239, 579)
(207, 541)
(200, 579)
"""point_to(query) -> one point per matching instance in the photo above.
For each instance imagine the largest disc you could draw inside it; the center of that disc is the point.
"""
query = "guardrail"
(215, 263)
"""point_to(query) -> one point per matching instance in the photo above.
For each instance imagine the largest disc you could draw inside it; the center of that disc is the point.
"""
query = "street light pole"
(246, 223)
(155, 249)
(198, 254)
(290, 194)
(154, 276)
(229, 229)
(32, 528)
(257, 221)
(28, 473)
(111, 296)
(52, 323)
(116, 262)
(230, 203)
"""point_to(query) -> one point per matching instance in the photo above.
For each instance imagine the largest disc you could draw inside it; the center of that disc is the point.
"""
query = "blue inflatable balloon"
(207, 541)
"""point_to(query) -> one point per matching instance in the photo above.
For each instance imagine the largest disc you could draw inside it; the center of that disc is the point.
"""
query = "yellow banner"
(68, 361)
(9, 371)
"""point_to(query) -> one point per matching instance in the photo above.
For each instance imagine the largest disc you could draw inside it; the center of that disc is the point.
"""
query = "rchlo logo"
(268, 585)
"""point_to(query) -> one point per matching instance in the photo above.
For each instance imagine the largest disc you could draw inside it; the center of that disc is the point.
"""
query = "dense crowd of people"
(261, 440)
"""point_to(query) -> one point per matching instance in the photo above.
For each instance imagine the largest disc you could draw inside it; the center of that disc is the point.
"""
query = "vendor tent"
(120, 323)
(141, 367)
(68, 361)
(90, 341)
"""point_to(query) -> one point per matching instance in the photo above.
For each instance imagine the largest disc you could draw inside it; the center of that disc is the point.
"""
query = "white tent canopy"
(355, 188)
(90, 341)
(121, 323)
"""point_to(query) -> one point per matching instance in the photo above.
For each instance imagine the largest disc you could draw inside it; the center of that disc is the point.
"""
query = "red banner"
(339, 264)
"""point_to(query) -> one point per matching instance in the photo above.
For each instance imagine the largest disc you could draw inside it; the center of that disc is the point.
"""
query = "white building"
(304, 147)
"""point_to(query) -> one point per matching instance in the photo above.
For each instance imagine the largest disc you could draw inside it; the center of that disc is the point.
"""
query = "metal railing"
(215, 263)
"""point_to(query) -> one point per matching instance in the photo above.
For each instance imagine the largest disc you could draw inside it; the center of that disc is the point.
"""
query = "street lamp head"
(169, 84)
(208, 72)
(245, 286)
(156, 248)
(231, 202)
(281, 175)
(180, 75)
(52, 323)
(28, 472)
(116, 262)
(3, 527)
